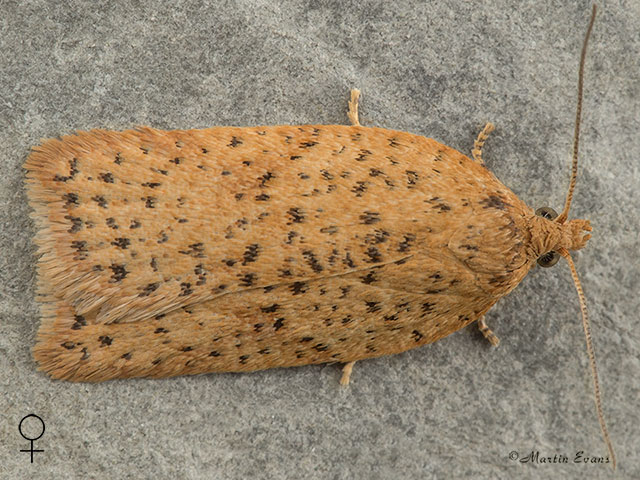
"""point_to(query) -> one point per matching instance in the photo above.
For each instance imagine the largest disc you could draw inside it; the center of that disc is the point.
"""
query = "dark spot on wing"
(296, 215)
(369, 278)
(312, 261)
(251, 253)
(185, 289)
(331, 229)
(326, 175)
(235, 141)
(298, 288)
(265, 178)
(359, 188)
(372, 306)
(348, 261)
(195, 250)
(248, 279)
(121, 243)
(71, 199)
(363, 155)
(378, 236)
(150, 288)
(73, 170)
(79, 322)
(119, 272)
(494, 201)
(76, 223)
(81, 248)
(374, 255)
(443, 207)
(369, 218)
(412, 178)
(271, 308)
(106, 177)
(405, 245)
(100, 200)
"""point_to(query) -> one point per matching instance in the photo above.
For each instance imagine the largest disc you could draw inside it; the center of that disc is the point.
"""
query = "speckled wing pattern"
(234, 249)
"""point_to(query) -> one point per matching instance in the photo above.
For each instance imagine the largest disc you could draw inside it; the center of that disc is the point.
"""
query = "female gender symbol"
(31, 450)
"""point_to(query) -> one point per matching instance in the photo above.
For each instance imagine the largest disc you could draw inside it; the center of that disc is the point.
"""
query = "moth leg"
(346, 373)
(353, 107)
(486, 331)
(479, 142)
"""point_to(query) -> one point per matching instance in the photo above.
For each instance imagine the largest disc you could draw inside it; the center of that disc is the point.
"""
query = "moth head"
(570, 235)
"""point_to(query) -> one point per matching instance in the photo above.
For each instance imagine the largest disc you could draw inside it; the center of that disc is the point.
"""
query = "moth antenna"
(591, 354)
(576, 135)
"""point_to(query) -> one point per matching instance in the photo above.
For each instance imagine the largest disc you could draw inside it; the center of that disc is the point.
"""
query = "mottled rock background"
(455, 409)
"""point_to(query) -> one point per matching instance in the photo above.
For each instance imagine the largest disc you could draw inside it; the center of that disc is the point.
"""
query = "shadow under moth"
(232, 249)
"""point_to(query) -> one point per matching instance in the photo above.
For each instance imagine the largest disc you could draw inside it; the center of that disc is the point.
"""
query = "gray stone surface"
(455, 409)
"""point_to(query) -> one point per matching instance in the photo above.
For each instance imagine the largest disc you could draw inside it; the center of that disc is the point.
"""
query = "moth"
(234, 249)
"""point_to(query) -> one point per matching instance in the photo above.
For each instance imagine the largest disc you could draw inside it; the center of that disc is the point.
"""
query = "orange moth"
(234, 249)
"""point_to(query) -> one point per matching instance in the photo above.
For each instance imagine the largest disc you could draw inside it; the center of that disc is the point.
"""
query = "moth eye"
(546, 212)
(549, 259)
